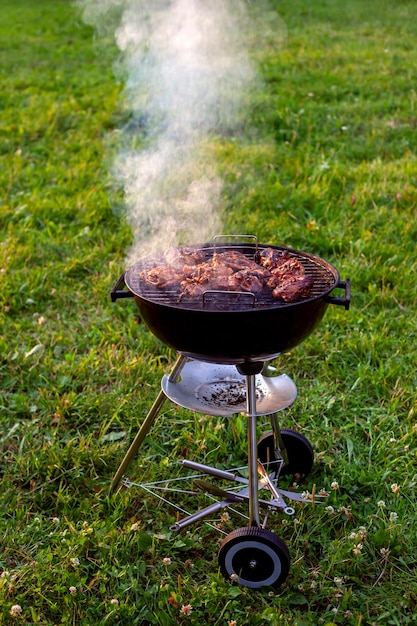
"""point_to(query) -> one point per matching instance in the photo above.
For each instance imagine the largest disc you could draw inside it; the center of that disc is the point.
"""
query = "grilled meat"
(189, 274)
(235, 260)
(291, 291)
(288, 280)
(184, 255)
(162, 276)
(205, 277)
(248, 280)
(194, 289)
(288, 271)
(271, 258)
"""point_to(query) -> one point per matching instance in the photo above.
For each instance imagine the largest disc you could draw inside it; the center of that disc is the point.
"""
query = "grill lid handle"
(117, 293)
(342, 284)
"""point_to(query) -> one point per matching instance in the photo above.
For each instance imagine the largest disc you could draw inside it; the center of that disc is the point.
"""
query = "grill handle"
(117, 293)
(342, 284)
(222, 294)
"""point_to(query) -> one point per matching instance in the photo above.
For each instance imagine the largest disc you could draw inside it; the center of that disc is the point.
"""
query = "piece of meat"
(205, 277)
(184, 256)
(193, 289)
(233, 259)
(292, 290)
(208, 272)
(162, 276)
(290, 268)
(248, 280)
(272, 258)
(288, 280)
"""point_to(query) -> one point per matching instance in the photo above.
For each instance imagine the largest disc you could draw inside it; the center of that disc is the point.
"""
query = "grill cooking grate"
(323, 274)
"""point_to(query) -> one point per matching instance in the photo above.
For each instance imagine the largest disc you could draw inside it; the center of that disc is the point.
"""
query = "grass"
(324, 161)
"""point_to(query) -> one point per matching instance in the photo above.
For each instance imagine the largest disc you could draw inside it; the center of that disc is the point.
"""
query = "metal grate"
(324, 275)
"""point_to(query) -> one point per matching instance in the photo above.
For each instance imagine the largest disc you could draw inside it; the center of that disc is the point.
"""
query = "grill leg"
(280, 449)
(252, 451)
(146, 425)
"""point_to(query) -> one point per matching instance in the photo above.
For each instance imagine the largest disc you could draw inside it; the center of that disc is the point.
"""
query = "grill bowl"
(232, 328)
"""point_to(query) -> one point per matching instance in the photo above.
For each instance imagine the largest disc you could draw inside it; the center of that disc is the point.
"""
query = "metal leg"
(252, 451)
(279, 445)
(146, 425)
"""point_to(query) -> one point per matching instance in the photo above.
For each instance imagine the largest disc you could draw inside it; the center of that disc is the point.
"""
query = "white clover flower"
(381, 504)
(75, 561)
(55, 520)
(166, 561)
(134, 527)
(346, 511)
(335, 485)
(114, 601)
(72, 590)
(384, 552)
(393, 516)
(362, 533)
(234, 578)
(395, 488)
(186, 609)
(16, 610)
(358, 548)
(330, 509)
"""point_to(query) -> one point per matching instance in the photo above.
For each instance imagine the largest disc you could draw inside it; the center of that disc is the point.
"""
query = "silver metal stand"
(219, 390)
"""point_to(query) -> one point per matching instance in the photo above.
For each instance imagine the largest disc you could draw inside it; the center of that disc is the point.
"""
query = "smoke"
(186, 72)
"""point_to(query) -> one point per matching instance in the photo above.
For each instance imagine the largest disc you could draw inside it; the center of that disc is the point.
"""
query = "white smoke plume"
(186, 69)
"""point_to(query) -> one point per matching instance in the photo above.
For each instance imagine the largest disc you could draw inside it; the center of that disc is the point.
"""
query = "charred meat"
(184, 255)
(162, 276)
(235, 260)
(293, 290)
(191, 274)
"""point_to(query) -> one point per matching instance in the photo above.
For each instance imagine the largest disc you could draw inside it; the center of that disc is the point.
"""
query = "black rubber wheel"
(299, 451)
(254, 557)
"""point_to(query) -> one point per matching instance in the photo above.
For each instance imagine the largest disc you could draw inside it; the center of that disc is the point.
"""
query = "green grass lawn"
(323, 159)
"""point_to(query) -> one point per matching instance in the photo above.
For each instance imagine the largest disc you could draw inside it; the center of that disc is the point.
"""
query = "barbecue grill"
(225, 341)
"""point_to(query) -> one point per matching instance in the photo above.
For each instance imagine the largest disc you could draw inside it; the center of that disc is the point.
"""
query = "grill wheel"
(254, 557)
(299, 450)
